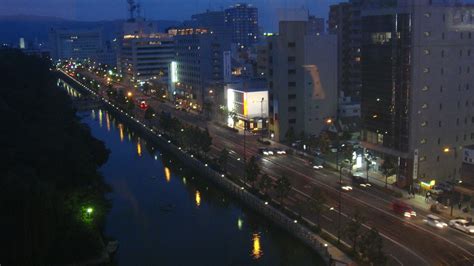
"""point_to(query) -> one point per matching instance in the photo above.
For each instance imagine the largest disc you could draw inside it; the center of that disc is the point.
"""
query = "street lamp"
(329, 122)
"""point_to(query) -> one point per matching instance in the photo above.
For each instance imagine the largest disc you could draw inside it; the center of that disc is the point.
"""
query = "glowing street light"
(446, 150)
(129, 94)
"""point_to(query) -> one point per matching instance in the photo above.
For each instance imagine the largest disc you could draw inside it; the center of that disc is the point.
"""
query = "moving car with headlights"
(360, 181)
(401, 207)
(462, 225)
(435, 221)
(344, 186)
(265, 151)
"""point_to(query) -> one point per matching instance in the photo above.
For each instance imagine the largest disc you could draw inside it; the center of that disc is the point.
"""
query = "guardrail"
(264, 208)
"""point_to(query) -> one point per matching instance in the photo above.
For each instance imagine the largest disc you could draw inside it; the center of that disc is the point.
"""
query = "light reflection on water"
(120, 126)
(167, 174)
(159, 214)
(198, 198)
(257, 251)
(139, 148)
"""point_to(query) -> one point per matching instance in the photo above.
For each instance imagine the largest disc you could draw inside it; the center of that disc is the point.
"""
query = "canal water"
(162, 214)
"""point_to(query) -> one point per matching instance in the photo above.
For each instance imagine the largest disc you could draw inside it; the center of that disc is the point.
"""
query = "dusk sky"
(155, 9)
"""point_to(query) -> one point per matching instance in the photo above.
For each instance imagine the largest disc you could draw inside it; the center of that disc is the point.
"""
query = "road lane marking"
(382, 234)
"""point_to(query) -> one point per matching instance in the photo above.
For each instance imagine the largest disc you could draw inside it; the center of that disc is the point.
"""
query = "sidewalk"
(420, 202)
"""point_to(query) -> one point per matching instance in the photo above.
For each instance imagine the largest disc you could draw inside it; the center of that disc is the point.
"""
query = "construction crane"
(132, 7)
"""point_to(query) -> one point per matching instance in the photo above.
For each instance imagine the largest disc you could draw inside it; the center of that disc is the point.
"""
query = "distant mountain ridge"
(32, 27)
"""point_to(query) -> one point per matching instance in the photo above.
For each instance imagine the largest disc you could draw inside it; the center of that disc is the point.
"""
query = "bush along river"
(163, 214)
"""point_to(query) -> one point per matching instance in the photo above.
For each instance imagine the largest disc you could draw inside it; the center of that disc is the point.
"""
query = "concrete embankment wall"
(293, 227)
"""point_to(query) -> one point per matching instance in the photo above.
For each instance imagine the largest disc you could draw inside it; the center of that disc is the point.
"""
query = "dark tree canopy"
(49, 163)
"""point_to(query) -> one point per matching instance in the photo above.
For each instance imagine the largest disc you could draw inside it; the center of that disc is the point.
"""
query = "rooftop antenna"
(132, 7)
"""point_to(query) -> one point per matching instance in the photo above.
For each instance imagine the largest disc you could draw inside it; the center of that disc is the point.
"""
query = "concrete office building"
(417, 101)
(302, 77)
(199, 58)
(242, 19)
(142, 53)
(77, 44)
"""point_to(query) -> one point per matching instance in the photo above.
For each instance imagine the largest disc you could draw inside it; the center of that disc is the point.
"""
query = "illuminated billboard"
(248, 104)
(174, 72)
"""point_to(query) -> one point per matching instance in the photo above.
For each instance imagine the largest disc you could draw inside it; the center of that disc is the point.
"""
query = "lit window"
(426, 70)
(424, 123)
(422, 141)
(425, 88)
(427, 34)
(424, 106)
(427, 15)
(427, 51)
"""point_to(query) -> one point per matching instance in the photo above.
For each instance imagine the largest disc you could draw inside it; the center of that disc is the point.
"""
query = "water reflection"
(100, 117)
(139, 148)
(167, 174)
(93, 114)
(120, 126)
(257, 252)
(198, 198)
(239, 223)
(136, 223)
(107, 119)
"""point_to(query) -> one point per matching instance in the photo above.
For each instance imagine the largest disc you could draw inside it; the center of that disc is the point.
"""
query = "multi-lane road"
(406, 241)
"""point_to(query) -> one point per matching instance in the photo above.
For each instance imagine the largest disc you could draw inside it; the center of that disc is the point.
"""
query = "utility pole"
(261, 117)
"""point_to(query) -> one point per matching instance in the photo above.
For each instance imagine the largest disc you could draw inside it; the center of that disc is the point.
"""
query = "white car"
(434, 221)
(462, 225)
(280, 151)
(318, 166)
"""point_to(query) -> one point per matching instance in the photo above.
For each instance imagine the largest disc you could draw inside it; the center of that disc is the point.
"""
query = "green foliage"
(353, 230)
(324, 142)
(49, 169)
(371, 248)
(149, 113)
(252, 170)
(316, 204)
(282, 188)
(389, 168)
(264, 183)
(223, 158)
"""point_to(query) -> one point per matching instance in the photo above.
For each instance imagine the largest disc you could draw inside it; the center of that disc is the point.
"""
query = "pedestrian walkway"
(421, 202)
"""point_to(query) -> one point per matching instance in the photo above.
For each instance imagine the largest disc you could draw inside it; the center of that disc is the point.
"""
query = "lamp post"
(261, 117)
(329, 122)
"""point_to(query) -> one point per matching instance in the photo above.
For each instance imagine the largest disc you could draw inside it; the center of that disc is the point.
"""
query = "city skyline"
(153, 9)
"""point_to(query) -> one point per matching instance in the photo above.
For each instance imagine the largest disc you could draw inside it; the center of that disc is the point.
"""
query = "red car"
(403, 208)
(143, 105)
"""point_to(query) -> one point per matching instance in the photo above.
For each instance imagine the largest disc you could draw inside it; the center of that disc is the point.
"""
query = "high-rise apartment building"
(417, 99)
(302, 76)
(242, 19)
(77, 44)
(339, 23)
